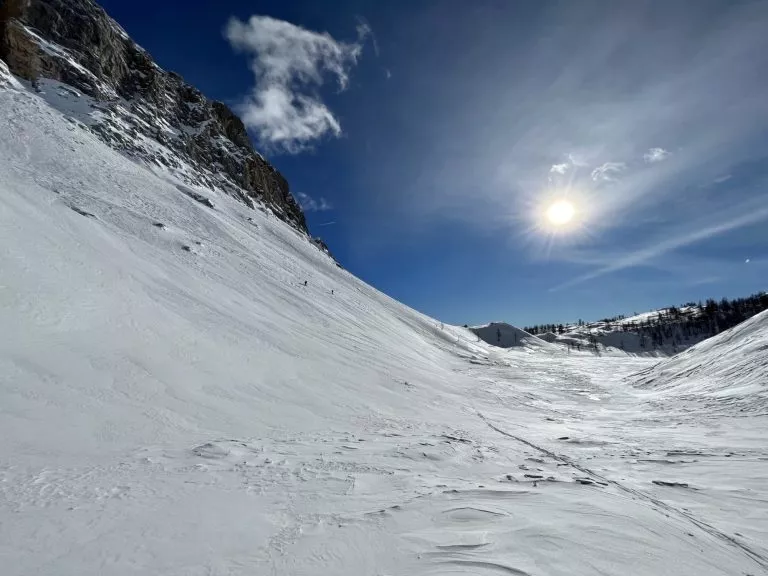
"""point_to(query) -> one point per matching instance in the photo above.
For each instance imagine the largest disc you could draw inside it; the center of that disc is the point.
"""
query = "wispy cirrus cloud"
(290, 64)
(310, 204)
(364, 31)
(655, 155)
(608, 171)
(750, 213)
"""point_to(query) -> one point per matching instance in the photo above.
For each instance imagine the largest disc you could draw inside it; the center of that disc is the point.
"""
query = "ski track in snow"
(173, 400)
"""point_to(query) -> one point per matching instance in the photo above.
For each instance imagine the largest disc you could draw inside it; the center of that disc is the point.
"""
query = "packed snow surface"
(175, 400)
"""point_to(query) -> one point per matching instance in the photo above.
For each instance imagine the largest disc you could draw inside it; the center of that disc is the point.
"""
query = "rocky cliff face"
(85, 64)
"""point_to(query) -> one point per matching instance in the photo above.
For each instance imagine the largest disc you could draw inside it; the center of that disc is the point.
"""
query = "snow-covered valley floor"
(174, 400)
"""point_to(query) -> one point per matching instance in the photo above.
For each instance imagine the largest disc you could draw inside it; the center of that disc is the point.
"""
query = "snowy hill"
(507, 336)
(189, 386)
(658, 333)
(728, 372)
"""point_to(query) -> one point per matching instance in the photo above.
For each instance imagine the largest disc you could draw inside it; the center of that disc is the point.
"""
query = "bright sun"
(560, 213)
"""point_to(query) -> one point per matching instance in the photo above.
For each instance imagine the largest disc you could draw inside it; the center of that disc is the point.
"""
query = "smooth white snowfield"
(202, 412)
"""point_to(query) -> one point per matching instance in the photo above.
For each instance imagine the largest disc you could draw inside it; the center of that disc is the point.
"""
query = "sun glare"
(560, 217)
(560, 213)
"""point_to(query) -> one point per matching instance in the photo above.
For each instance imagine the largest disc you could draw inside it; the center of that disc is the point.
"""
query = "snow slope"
(505, 335)
(633, 335)
(726, 372)
(174, 400)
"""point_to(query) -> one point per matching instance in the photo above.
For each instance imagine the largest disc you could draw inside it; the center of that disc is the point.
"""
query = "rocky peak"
(133, 104)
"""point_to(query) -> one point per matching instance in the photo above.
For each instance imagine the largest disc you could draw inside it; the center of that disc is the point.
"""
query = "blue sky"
(428, 140)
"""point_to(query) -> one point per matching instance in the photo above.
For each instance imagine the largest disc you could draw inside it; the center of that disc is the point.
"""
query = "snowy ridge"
(658, 333)
(175, 400)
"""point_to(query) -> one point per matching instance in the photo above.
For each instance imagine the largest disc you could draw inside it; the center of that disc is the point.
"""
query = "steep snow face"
(191, 387)
(727, 372)
(120, 281)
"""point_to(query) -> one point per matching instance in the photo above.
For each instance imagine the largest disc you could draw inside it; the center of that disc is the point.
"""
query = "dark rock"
(322, 245)
(670, 484)
(90, 52)
(83, 212)
(195, 196)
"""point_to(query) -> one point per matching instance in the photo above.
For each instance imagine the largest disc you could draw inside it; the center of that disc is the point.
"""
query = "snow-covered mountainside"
(189, 386)
(85, 64)
(661, 333)
(728, 372)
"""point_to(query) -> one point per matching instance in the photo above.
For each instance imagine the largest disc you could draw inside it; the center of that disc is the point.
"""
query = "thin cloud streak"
(750, 217)
(364, 30)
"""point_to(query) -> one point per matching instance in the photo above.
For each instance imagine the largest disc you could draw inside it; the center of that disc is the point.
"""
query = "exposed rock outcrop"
(138, 104)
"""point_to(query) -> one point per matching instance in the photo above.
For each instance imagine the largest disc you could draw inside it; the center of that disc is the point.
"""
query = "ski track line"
(758, 558)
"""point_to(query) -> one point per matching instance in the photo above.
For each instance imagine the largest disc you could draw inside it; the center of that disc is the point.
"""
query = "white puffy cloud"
(655, 155)
(290, 63)
(559, 168)
(608, 171)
